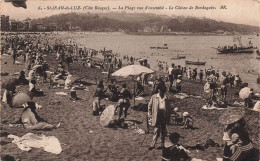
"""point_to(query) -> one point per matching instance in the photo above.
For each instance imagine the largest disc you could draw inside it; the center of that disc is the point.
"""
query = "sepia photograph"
(128, 80)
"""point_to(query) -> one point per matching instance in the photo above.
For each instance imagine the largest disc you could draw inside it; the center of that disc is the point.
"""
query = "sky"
(238, 11)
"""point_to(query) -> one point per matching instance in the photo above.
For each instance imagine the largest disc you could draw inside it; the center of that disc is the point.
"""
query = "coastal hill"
(135, 22)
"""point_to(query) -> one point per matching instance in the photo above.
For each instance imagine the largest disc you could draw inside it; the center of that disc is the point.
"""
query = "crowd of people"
(160, 113)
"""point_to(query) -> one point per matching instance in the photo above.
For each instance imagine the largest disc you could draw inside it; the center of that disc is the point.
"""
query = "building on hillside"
(164, 29)
(20, 26)
(147, 29)
(14, 25)
(27, 24)
(5, 24)
(155, 29)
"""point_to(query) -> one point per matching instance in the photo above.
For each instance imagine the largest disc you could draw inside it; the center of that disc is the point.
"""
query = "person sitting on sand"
(112, 91)
(174, 151)
(32, 121)
(234, 142)
(60, 67)
(32, 74)
(187, 121)
(123, 103)
(99, 95)
(176, 116)
(32, 88)
(61, 76)
(249, 102)
(22, 79)
(240, 147)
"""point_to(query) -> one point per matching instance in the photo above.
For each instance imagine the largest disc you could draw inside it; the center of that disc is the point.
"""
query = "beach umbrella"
(132, 70)
(231, 115)
(19, 99)
(107, 115)
(244, 93)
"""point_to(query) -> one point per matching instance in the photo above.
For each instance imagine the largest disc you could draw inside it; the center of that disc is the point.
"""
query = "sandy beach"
(81, 136)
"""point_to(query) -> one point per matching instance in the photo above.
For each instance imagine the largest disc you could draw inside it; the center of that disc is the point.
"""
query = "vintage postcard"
(130, 80)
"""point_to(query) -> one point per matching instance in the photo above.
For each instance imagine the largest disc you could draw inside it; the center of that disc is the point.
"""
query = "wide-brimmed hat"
(231, 115)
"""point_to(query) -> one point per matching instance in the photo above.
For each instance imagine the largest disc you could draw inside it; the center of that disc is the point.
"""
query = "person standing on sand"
(223, 86)
(110, 71)
(201, 75)
(211, 79)
(170, 76)
(123, 103)
(159, 111)
(14, 55)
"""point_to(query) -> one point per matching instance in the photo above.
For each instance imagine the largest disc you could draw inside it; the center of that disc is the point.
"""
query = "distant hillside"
(134, 21)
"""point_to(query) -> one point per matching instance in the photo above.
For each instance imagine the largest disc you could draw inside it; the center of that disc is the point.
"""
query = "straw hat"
(231, 115)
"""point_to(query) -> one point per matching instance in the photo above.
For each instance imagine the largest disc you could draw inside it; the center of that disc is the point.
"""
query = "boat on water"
(179, 57)
(236, 48)
(165, 46)
(195, 62)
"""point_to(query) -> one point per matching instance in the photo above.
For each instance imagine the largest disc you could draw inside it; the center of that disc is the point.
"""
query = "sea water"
(193, 47)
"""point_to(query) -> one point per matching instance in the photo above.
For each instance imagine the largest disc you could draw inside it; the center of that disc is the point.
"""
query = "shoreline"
(124, 32)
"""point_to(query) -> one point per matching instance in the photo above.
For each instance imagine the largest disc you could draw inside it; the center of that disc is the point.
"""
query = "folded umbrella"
(231, 115)
(19, 99)
(244, 93)
(107, 115)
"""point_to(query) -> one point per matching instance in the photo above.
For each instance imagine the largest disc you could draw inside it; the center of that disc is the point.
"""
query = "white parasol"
(132, 70)
(244, 93)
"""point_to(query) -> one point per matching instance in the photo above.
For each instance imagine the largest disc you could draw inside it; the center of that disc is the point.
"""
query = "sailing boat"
(237, 47)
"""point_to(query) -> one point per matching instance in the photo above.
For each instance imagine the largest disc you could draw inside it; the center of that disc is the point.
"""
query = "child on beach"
(233, 144)
(176, 116)
(187, 121)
